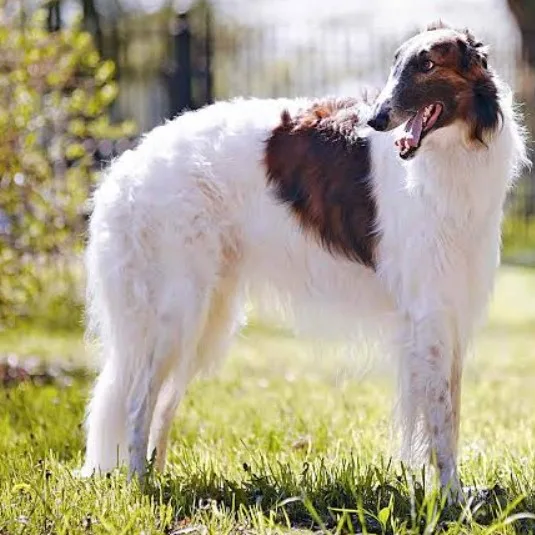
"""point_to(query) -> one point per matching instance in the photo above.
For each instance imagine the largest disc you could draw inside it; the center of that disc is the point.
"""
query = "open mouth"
(415, 129)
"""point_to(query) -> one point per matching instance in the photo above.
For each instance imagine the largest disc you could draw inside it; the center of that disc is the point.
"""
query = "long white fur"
(184, 228)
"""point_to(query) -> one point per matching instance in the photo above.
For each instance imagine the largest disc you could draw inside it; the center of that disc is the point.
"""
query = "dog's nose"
(380, 120)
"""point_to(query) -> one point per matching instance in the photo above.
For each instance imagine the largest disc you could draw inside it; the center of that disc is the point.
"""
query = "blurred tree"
(524, 13)
(55, 91)
(92, 21)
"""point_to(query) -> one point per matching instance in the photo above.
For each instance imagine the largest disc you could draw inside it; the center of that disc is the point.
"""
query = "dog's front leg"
(428, 419)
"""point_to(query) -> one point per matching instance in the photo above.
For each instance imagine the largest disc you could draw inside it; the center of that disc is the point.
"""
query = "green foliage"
(55, 91)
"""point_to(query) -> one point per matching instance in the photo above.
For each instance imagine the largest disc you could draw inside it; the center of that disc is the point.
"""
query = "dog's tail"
(119, 310)
(115, 258)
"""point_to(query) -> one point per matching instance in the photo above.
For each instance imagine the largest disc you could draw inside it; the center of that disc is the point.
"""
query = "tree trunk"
(524, 14)
(92, 22)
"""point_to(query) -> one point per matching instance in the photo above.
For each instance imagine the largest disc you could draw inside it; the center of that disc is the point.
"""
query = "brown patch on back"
(320, 167)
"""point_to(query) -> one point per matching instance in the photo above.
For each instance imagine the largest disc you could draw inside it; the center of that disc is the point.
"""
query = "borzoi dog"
(387, 214)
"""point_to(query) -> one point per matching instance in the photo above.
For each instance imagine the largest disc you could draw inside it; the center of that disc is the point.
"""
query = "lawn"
(280, 441)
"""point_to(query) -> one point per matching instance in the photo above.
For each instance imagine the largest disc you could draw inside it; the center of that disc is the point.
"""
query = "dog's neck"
(456, 176)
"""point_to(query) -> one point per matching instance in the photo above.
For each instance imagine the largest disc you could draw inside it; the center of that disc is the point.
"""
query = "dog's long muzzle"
(381, 119)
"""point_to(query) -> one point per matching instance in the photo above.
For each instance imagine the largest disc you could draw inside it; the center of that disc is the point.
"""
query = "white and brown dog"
(307, 198)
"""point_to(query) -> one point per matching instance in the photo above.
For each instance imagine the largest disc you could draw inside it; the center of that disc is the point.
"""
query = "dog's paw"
(485, 496)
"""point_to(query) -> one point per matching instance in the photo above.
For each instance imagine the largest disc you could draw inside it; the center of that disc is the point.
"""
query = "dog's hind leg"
(212, 346)
(170, 396)
(174, 338)
(141, 401)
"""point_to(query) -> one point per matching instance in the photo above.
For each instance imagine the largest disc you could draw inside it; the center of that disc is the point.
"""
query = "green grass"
(281, 441)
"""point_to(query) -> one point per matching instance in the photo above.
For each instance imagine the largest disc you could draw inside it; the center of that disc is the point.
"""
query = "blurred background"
(80, 80)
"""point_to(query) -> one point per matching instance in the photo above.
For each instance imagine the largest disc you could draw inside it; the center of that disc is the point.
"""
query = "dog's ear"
(472, 51)
(486, 112)
(486, 109)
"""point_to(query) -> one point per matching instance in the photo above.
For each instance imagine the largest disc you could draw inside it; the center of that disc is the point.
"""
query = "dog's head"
(438, 77)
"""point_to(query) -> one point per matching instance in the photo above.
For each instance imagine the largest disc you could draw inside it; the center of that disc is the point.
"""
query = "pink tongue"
(413, 130)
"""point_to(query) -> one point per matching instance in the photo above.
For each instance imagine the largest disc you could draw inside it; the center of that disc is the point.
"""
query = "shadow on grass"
(347, 499)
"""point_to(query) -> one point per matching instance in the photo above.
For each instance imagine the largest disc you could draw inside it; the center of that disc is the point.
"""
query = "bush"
(55, 91)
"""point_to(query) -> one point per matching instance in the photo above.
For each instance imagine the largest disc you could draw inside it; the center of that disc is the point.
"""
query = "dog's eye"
(484, 63)
(427, 65)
